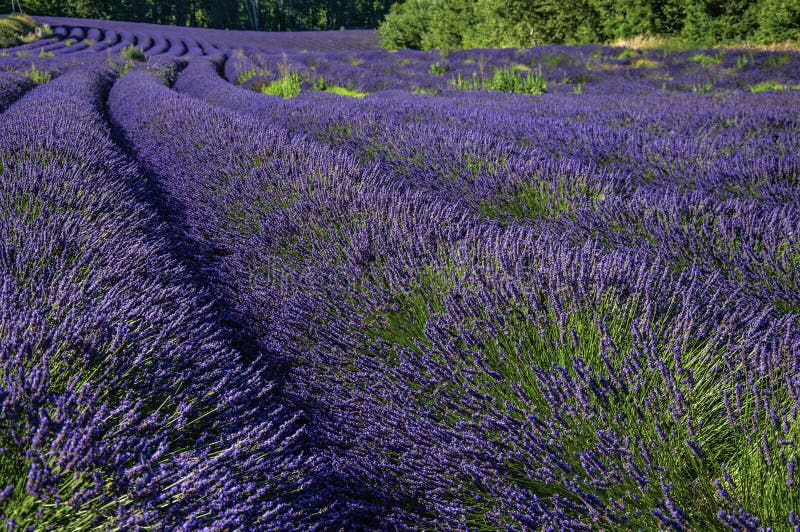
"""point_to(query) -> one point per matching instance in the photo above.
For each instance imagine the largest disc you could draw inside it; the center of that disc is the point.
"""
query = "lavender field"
(265, 281)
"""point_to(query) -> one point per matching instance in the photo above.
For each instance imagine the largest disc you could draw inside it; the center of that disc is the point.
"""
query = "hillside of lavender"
(292, 281)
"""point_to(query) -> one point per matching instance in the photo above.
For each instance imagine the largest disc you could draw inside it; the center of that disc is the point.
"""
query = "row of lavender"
(469, 310)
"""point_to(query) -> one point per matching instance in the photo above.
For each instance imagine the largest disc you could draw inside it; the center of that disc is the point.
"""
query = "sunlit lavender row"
(268, 281)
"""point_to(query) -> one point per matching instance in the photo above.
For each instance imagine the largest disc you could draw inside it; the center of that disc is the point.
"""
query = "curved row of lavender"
(427, 308)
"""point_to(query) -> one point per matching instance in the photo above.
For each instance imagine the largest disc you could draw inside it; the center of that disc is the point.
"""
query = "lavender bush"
(434, 307)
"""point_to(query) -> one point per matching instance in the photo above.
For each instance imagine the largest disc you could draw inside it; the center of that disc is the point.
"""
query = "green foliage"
(38, 76)
(554, 60)
(438, 69)
(287, 86)
(133, 53)
(778, 21)
(641, 62)
(126, 67)
(703, 88)
(741, 61)
(708, 60)
(505, 79)
(405, 25)
(449, 24)
(17, 28)
(43, 53)
(777, 60)
(271, 15)
(768, 86)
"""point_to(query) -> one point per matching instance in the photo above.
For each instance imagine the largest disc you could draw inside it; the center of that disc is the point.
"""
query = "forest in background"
(267, 15)
(451, 24)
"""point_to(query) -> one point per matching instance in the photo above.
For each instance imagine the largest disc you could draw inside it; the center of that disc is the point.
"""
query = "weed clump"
(38, 76)
(504, 79)
(133, 53)
(287, 86)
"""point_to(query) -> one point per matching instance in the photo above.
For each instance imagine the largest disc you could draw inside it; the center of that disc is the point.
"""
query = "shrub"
(404, 25)
(287, 86)
(38, 76)
(131, 52)
(15, 29)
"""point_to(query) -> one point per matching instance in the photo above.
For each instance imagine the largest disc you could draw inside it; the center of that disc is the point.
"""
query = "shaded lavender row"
(12, 86)
(122, 403)
(343, 500)
(475, 374)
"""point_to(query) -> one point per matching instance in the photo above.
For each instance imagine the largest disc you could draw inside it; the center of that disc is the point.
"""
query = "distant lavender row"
(224, 40)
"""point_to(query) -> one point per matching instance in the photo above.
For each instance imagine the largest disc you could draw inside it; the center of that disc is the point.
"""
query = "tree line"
(272, 15)
(448, 24)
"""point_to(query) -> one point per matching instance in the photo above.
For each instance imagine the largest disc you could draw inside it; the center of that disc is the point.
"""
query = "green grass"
(44, 53)
(778, 60)
(323, 86)
(538, 200)
(641, 62)
(742, 60)
(437, 69)
(769, 86)
(708, 60)
(344, 91)
(287, 86)
(554, 60)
